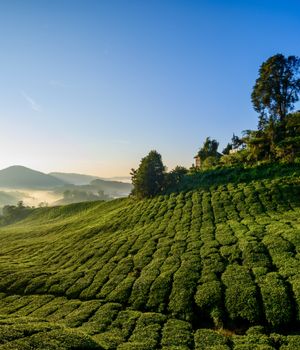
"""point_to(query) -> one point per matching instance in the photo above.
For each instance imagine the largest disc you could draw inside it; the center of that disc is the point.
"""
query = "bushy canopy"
(148, 179)
(277, 88)
(209, 149)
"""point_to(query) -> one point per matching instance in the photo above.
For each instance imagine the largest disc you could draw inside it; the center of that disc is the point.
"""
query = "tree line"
(276, 139)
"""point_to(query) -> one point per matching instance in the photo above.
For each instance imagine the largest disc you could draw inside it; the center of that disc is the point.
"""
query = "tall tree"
(208, 154)
(276, 89)
(227, 149)
(148, 180)
(288, 148)
(209, 149)
(236, 142)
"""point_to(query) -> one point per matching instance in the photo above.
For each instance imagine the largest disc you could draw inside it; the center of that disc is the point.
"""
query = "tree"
(276, 89)
(236, 142)
(227, 149)
(175, 177)
(209, 149)
(274, 94)
(208, 154)
(293, 125)
(288, 149)
(148, 180)
(12, 213)
(20, 205)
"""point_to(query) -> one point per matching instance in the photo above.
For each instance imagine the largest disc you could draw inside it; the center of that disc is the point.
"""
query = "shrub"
(209, 339)
(276, 300)
(177, 333)
(209, 294)
(241, 294)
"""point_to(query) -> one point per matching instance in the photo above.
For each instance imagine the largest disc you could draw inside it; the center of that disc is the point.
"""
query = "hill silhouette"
(112, 186)
(73, 178)
(18, 176)
(90, 183)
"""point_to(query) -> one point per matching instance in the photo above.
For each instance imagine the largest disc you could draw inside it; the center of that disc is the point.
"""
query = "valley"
(34, 188)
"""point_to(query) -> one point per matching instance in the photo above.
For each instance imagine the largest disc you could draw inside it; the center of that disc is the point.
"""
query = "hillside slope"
(21, 177)
(214, 268)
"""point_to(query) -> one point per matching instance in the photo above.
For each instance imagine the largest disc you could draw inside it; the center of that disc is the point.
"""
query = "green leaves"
(276, 300)
(148, 180)
(277, 87)
(274, 94)
(241, 294)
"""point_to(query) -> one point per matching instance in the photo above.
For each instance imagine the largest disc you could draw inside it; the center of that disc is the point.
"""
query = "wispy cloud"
(31, 102)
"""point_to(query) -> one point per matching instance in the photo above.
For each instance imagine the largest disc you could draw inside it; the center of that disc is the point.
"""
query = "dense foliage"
(277, 88)
(208, 154)
(149, 179)
(213, 267)
(233, 174)
(274, 95)
(13, 213)
(277, 138)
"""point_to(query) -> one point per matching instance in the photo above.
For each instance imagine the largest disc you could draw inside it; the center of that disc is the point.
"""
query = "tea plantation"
(213, 267)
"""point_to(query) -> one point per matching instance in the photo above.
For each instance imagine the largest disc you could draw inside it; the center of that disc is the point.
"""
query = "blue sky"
(92, 86)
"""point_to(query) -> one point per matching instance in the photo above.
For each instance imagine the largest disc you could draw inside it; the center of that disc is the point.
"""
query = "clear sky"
(92, 86)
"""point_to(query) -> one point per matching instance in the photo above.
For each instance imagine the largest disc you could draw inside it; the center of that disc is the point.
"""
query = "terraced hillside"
(214, 268)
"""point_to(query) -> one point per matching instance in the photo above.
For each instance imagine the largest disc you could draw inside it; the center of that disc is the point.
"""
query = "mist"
(29, 197)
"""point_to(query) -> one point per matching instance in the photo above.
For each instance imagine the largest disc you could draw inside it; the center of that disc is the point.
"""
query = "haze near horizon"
(91, 87)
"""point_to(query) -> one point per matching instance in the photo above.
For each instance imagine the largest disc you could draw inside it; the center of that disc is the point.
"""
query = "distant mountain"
(21, 177)
(81, 179)
(118, 178)
(74, 179)
(112, 188)
(91, 183)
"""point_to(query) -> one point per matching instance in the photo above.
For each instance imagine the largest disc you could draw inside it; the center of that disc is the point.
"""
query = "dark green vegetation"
(235, 175)
(149, 179)
(14, 213)
(274, 95)
(276, 89)
(9, 198)
(211, 267)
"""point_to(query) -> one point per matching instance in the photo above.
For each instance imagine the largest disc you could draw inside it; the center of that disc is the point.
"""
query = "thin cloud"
(31, 102)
